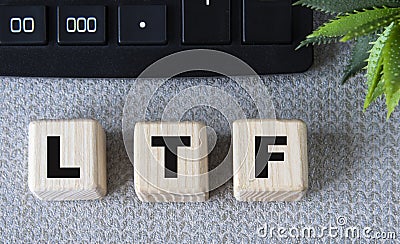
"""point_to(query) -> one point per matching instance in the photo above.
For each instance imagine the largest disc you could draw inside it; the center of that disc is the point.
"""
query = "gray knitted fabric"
(353, 164)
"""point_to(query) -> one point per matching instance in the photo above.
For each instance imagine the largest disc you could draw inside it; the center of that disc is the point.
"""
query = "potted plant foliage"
(374, 26)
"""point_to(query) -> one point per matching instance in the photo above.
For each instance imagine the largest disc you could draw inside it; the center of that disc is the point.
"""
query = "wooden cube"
(170, 162)
(270, 160)
(67, 160)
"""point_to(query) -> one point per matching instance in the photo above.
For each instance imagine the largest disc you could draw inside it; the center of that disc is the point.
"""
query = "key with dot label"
(23, 25)
(142, 24)
(83, 25)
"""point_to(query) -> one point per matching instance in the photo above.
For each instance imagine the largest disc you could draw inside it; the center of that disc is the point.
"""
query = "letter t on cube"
(170, 162)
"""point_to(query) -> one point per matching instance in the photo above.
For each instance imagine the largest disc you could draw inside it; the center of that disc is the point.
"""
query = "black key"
(149, 36)
(206, 21)
(23, 25)
(267, 21)
(81, 25)
(142, 24)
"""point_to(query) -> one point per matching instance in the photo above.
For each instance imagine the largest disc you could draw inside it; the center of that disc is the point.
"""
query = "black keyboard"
(109, 38)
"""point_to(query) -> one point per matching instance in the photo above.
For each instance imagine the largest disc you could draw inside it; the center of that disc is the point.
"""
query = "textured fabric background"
(353, 163)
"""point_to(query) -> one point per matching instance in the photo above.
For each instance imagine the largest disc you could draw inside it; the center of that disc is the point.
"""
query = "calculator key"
(81, 25)
(267, 22)
(206, 21)
(142, 24)
(23, 25)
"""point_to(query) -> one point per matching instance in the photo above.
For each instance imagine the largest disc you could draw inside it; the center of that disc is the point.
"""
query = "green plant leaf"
(359, 56)
(317, 40)
(391, 69)
(375, 67)
(379, 18)
(346, 6)
(353, 25)
(362, 20)
(379, 90)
